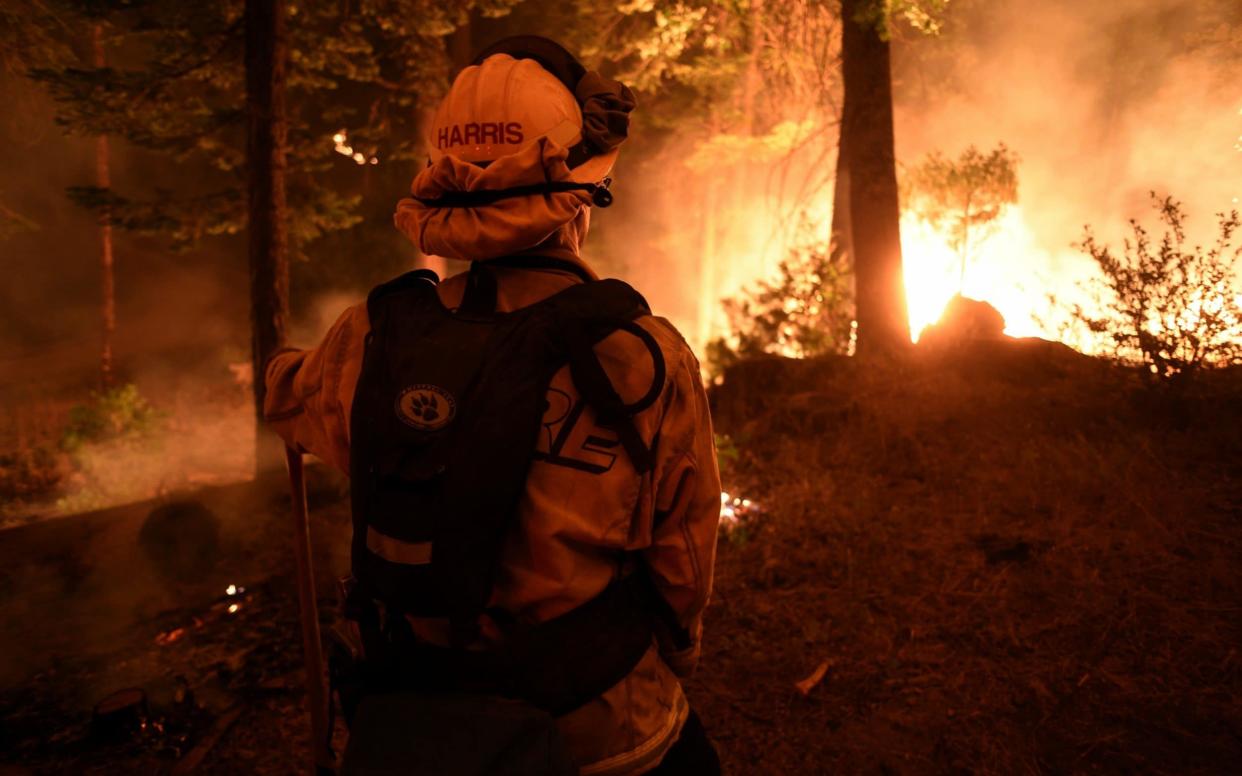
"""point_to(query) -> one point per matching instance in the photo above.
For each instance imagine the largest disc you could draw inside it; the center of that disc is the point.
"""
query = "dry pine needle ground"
(1012, 563)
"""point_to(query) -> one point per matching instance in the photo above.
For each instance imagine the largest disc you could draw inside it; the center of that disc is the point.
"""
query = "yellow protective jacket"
(584, 506)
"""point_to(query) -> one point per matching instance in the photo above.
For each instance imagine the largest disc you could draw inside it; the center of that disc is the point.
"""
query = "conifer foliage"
(357, 73)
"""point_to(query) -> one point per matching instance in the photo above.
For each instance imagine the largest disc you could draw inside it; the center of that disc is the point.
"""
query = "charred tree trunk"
(871, 178)
(103, 179)
(266, 53)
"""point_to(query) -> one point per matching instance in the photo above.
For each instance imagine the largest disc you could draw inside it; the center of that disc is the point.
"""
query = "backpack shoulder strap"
(588, 313)
(418, 280)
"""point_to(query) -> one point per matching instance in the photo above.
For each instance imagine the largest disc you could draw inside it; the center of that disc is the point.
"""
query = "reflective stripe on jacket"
(584, 508)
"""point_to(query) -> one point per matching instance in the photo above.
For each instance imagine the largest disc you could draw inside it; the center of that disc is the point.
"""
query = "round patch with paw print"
(426, 407)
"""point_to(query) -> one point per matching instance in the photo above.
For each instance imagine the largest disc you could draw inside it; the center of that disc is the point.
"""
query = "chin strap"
(600, 194)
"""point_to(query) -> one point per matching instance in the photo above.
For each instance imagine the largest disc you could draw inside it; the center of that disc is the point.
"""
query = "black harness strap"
(600, 195)
(588, 374)
(444, 423)
(479, 299)
(591, 379)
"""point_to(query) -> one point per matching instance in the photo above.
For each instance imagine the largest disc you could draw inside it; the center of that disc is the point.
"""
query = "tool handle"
(312, 647)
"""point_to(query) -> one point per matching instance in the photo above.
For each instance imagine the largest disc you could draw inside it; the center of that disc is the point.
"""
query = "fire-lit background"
(729, 168)
(977, 554)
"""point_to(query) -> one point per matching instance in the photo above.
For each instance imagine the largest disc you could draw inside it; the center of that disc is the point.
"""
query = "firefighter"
(604, 551)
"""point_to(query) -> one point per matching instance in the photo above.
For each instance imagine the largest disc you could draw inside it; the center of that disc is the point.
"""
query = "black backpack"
(444, 423)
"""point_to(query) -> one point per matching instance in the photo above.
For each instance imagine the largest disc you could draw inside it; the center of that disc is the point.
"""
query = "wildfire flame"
(1005, 270)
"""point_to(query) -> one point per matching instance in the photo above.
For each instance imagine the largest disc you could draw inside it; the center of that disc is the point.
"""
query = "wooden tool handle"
(312, 648)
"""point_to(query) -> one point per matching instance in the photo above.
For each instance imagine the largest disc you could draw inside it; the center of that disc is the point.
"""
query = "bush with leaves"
(964, 197)
(806, 310)
(1175, 308)
(117, 412)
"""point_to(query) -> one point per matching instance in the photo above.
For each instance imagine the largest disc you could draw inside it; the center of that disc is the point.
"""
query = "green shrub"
(117, 412)
(807, 310)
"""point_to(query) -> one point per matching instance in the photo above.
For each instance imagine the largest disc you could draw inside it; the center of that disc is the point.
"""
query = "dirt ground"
(1005, 560)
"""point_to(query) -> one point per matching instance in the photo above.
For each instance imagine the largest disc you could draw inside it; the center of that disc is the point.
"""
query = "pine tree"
(42, 34)
(103, 180)
(355, 74)
(266, 133)
(866, 218)
(870, 165)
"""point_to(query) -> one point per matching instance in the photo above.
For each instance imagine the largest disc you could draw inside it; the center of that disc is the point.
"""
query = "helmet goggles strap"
(600, 195)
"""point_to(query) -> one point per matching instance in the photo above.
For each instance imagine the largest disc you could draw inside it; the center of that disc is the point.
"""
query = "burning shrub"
(807, 310)
(1173, 309)
(117, 412)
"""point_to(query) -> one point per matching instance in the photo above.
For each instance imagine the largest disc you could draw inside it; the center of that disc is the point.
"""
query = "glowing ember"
(340, 144)
(232, 590)
(233, 608)
(170, 637)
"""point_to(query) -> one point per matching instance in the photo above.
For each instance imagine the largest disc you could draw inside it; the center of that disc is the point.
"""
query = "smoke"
(1104, 103)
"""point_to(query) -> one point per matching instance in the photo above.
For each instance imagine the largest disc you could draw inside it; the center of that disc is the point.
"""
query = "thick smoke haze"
(1104, 103)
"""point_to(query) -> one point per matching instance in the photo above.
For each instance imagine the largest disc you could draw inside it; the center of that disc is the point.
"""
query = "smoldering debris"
(209, 635)
(205, 667)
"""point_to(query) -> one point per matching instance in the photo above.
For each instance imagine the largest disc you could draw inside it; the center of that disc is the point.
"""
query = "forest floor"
(1002, 560)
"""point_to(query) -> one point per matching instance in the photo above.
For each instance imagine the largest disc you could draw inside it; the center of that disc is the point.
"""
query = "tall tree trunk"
(871, 166)
(266, 54)
(841, 247)
(103, 179)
